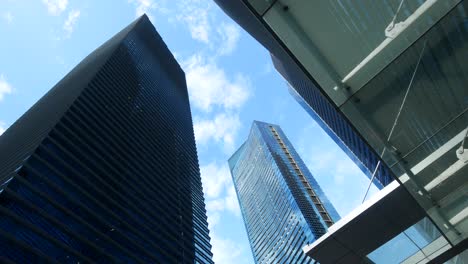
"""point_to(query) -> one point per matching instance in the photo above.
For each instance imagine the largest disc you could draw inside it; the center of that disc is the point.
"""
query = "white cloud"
(142, 6)
(195, 15)
(333, 161)
(267, 68)
(2, 127)
(148, 6)
(225, 251)
(209, 85)
(5, 87)
(215, 178)
(55, 7)
(202, 23)
(70, 22)
(218, 188)
(213, 220)
(340, 178)
(230, 35)
(227, 203)
(216, 98)
(222, 129)
(344, 168)
(320, 160)
(219, 191)
(199, 18)
(210, 88)
(215, 205)
(232, 203)
(59, 60)
(8, 17)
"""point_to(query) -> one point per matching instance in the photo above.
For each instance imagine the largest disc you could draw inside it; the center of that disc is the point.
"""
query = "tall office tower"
(394, 71)
(283, 206)
(104, 168)
(305, 90)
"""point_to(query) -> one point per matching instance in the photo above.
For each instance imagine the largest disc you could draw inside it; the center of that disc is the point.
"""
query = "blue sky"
(230, 78)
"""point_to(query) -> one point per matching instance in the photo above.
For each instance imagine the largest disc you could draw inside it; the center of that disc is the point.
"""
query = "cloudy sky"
(230, 78)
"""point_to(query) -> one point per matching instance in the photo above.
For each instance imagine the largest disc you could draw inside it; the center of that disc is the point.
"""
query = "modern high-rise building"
(283, 207)
(104, 168)
(390, 74)
(306, 91)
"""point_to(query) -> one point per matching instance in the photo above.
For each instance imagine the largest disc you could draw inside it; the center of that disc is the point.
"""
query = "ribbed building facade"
(282, 205)
(104, 167)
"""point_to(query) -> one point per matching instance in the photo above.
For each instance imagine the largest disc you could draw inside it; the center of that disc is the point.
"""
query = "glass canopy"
(418, 244)
(398, 70)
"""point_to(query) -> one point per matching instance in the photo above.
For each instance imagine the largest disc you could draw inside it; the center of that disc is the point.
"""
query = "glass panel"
(394, 251)
(415, 113)
(461, 258)
(343, 44)
(417, 244)
(438, 179)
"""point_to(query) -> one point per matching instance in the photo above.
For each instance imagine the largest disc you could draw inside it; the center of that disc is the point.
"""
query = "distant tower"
(282, 204)
(252, 16)
(104, 167)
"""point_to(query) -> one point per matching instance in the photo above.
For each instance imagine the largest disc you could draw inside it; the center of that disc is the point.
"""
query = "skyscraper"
(283, 206)
(394, 72)
(248, 13)
(104, 168)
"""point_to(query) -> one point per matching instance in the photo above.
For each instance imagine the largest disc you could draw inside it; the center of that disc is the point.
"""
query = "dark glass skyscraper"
(104, 167)
(283, 206)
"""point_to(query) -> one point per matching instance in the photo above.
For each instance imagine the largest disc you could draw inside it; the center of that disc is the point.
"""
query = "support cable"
(395, 122)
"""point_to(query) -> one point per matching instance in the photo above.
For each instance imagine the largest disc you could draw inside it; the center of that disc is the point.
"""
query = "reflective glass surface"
(343, 44)
(461, 258)
(339, 129)
(116, 179)
(398, 71)
(414, 112)
(282, 205)
(420, 243)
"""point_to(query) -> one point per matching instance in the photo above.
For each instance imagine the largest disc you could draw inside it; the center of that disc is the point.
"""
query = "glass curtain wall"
(283, 206)
(398, 70)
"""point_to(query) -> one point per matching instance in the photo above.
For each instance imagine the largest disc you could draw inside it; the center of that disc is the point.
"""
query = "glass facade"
(397, 71)
(336, 126)
(250, 14)
(419, 243)
(283, 206)
(116, 178)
